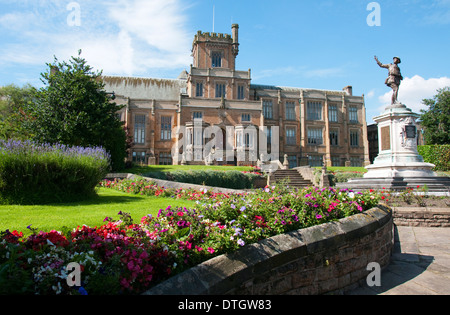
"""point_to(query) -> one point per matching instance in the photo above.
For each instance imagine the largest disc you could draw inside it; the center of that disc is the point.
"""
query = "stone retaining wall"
(170, 184)
(330, 258)
(422, 217)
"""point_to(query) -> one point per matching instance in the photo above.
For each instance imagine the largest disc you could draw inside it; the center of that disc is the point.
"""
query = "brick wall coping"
(369, 235)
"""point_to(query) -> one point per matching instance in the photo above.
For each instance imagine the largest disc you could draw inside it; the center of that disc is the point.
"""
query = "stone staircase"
(295, 179)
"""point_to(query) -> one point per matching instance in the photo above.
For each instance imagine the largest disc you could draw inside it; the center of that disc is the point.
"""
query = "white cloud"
(119, 37)
(414, 90)
(370, 95)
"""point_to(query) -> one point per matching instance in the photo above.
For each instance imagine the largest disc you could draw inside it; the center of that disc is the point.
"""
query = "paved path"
(420, 264)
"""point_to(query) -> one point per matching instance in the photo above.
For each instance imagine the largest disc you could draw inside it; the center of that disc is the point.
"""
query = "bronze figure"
(395, 77)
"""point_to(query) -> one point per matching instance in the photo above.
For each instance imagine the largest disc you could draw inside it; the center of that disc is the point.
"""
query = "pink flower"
(211, 250)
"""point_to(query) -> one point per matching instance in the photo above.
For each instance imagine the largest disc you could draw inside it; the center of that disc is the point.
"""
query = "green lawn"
(91, 212)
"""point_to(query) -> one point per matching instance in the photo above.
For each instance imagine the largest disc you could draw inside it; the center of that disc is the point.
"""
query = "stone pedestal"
(398, 165)
(398, 157)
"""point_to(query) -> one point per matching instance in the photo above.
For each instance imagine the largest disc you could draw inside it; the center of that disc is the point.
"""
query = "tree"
(13, 101)
(436, 120)
(74, 109)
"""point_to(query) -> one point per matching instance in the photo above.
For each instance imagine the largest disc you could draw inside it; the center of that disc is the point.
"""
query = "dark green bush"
(228, 179)
(438, 155)
(39, 174)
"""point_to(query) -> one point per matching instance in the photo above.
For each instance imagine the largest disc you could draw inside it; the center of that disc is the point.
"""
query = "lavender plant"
(32, 173)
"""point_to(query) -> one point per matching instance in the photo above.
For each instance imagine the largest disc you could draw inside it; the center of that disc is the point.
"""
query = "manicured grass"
(91, 212)
(169, 168)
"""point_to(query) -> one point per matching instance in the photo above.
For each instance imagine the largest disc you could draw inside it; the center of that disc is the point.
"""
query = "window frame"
(314, 110)
(166, 128)
(140, 128)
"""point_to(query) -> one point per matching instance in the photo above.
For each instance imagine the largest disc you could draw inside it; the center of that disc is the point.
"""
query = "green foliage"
(73, 109)
(229, 179)
(340, 176)
(436, 119)
(13, 101)
(31, 174)
(438, 155)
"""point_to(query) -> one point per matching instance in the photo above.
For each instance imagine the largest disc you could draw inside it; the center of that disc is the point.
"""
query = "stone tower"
(213, 72)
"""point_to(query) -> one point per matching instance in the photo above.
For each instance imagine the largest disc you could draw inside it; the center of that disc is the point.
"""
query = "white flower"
(351, 195)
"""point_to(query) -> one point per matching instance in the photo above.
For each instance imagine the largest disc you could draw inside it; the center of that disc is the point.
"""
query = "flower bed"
(123, 257)
(32, 173)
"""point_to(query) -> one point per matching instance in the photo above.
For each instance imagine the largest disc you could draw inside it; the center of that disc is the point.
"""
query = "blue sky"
(319, 44)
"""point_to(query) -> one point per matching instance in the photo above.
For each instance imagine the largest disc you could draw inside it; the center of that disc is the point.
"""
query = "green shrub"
(438, 155)
(342, 177)
(39, 174)
(228, 179)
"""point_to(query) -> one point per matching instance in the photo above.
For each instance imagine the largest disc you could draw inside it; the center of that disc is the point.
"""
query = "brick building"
(309, 126)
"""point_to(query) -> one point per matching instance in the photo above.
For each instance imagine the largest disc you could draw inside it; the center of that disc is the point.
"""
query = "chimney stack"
(235, 34)
(349, 90)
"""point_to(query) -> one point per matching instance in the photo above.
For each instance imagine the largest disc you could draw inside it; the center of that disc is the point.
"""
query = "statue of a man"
(395, 77)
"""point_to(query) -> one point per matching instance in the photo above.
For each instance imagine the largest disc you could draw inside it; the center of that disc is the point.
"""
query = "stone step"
(295, 179)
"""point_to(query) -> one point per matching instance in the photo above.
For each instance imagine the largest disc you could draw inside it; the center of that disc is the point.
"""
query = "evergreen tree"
(74, 109)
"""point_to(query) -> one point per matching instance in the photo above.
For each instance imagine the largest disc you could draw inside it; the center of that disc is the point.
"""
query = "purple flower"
(241, 242)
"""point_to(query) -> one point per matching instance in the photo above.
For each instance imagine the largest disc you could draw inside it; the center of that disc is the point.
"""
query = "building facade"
(172, 121)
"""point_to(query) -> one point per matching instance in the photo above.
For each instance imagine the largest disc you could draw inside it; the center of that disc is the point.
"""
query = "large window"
(355, 161)
(315, 136)
(268, 109)
(216, 59)
(336, 161)
(139, 157)
(166, 128)
(221, 90)
(315, 160)
(139, 129)
(165, 158)
(246, 118)
(333, 113)
(354, 138)
(197, 115)
(353, 114)
(292, 161)
(290, 110)
(314, 111)
(244, 139)
(291, 138)
(199, 89)
(240, 94)
(269, 135)
(334, 137)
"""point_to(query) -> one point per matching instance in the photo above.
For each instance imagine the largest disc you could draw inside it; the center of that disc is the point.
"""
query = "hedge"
(438, 155)
(32, 173)
(225, 179)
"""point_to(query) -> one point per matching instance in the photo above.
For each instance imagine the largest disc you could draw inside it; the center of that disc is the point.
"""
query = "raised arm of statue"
(380, 64)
